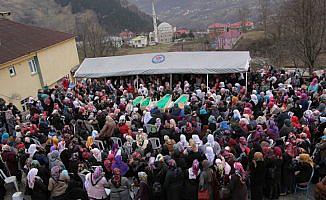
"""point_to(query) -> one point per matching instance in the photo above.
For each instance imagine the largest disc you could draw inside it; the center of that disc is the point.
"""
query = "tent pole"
(171, 82)
(137, 83)
(207, 82)
(246, 82)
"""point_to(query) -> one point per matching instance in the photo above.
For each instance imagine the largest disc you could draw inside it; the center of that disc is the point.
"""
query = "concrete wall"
(20, 86)
(57, 61)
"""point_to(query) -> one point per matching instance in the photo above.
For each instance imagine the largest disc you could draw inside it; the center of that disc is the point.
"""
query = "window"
(12, 71)
(32, 66)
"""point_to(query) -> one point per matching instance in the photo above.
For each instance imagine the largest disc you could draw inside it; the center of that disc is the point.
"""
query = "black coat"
(40, 191)
(257, 179)
(173, 182)
(305, 171)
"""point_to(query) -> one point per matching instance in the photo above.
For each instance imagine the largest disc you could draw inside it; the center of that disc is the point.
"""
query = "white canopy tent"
(217, 62)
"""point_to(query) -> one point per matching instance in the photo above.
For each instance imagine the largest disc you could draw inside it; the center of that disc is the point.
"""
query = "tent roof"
(218, 62)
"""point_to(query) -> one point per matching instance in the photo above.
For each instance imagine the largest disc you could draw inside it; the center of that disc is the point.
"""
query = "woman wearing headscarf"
(147, 118)
(238, 187)
(206, 179)
(272, 130)
(197, 140)
(58, 183)
(212, 123)
(183, 143)
(295, 123)
(36, 186)
(236, 115)
(95, 184)
(191, 183)
(304, 103)
(212, 143)
(257, 176)
(210, 155)
(54, 160)
(118, 163)
(286, 129)
(96, 158)
(287, 180)
(193, 154)
(144, 190)
(119, 186)
(10, 158)
(304, 168)
(313, 87)
(173, 181)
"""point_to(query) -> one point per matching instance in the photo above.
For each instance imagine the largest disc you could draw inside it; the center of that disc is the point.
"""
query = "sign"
(158, 59)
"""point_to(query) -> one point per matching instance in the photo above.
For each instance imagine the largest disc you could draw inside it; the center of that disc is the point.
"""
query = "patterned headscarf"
(55, 173)
(195, 167)
(97, 173)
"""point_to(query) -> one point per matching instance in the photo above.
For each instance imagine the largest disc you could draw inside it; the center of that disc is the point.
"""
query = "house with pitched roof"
(32, 58)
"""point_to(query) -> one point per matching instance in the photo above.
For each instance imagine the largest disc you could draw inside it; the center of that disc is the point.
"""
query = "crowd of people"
(86, 140)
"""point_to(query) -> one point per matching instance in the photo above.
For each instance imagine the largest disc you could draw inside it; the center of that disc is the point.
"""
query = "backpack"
(157, 188)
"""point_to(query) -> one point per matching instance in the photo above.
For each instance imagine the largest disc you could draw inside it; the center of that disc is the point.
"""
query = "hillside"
(200, 13)
(63, 15)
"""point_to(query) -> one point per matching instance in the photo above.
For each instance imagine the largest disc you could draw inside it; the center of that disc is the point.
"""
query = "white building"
(165, 33)
(139, 41)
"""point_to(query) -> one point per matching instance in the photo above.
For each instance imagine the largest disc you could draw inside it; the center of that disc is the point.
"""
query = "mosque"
(162, 33)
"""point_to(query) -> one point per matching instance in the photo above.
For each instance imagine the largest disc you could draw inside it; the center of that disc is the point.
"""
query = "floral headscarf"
(195, 167)
(97, 174)
(55, 173)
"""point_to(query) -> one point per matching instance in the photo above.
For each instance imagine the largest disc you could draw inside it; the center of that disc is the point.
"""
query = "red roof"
(18, 39)
(217, 25)
(239, 24)
(182, 31)
(125, 34)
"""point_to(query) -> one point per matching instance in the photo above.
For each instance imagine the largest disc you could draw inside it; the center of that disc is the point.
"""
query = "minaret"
(154, 23)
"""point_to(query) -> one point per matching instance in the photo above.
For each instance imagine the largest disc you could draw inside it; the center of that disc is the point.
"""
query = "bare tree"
(305, 29)
(264, 12)
(244, 17)
(93, 39)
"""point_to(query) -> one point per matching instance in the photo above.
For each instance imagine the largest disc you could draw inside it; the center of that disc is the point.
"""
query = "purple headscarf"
(120, 165)
(97, 173)
(273, 131)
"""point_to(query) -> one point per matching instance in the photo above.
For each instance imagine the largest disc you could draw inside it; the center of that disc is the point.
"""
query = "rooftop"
(17, 40)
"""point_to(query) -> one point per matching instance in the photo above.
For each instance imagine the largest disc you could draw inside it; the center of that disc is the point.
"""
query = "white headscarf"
(31, 176)
(31, 150)
(183, 142)
(147, 117)
(210, 140)
(236, 114)
(197, 140)
(210, 154)
(254, 99)
(97, 154)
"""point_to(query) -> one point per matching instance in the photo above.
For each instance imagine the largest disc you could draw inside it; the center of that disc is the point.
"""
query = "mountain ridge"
(63, 15)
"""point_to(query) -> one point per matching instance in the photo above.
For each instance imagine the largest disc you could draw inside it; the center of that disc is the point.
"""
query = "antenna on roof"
(4, 14)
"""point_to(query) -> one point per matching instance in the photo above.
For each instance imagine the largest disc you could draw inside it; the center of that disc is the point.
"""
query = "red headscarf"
(295, 122)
